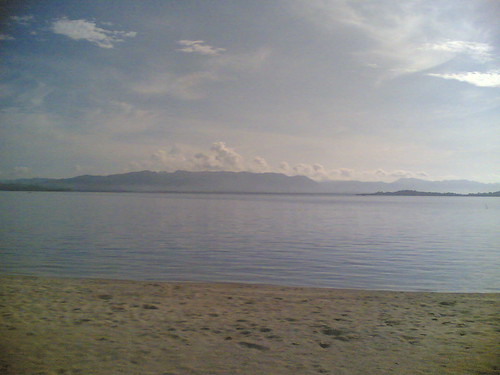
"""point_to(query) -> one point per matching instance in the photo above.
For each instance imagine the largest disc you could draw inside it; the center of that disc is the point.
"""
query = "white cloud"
(320, 173)
(89, 31)
(200, 47)
(23, 20)
(226, 156)
(219, 157)
(302, 169)
(487, 79)
(284, 167)
(6, 37)
(314, 171)
(162, 160)
(477, 50)
(401, 174)
(203, 161)
(260, 165)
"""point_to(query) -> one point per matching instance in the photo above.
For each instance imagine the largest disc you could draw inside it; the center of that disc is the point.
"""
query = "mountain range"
(238, 182)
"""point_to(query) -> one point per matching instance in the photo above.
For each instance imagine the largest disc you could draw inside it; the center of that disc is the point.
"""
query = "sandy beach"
(75, 326)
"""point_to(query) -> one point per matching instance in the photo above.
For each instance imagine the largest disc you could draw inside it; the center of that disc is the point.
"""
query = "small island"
(414, 193)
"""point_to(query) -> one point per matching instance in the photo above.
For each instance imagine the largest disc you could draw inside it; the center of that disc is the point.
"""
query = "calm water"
(398, 243)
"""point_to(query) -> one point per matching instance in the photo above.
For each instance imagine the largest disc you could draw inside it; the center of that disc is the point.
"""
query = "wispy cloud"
(122, 117)
(487, 79)
(6, 37)
(483, 53)
(246, 61)
(406, 37)
(199, 47)
(477, 50)
(187, 87)
(23, 20)
(89, 31)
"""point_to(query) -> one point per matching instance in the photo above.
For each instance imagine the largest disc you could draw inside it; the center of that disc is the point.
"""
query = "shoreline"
(223, 282)
(99, 326)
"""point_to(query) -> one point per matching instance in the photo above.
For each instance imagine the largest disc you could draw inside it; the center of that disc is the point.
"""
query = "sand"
(74, 326)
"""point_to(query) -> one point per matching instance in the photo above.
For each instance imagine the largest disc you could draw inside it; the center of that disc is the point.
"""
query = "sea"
(442, 244)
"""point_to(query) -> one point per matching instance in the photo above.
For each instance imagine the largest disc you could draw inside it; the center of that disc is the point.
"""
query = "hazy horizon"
(333, 90)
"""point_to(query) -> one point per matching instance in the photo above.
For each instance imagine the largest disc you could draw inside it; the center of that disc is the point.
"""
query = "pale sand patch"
(71, 326)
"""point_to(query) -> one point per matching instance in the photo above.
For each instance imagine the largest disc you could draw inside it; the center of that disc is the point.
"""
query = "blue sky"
(331, 89)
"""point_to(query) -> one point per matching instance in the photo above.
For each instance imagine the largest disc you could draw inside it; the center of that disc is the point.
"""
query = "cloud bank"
(221, 157)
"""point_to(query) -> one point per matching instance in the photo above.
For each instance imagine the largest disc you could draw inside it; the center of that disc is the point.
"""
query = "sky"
(330, 89)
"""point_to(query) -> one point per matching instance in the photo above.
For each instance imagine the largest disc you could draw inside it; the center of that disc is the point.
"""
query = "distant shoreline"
(220, 182)
(68, 190)
(414, 193)
(401, 193)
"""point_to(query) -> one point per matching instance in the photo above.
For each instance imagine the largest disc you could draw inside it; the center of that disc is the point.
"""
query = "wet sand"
(72, 326)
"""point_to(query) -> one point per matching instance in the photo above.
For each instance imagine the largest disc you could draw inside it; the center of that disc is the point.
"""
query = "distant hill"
(180, 181)
(238, 182)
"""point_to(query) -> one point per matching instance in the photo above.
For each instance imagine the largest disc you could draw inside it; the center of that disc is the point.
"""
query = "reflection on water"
(398, 243)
